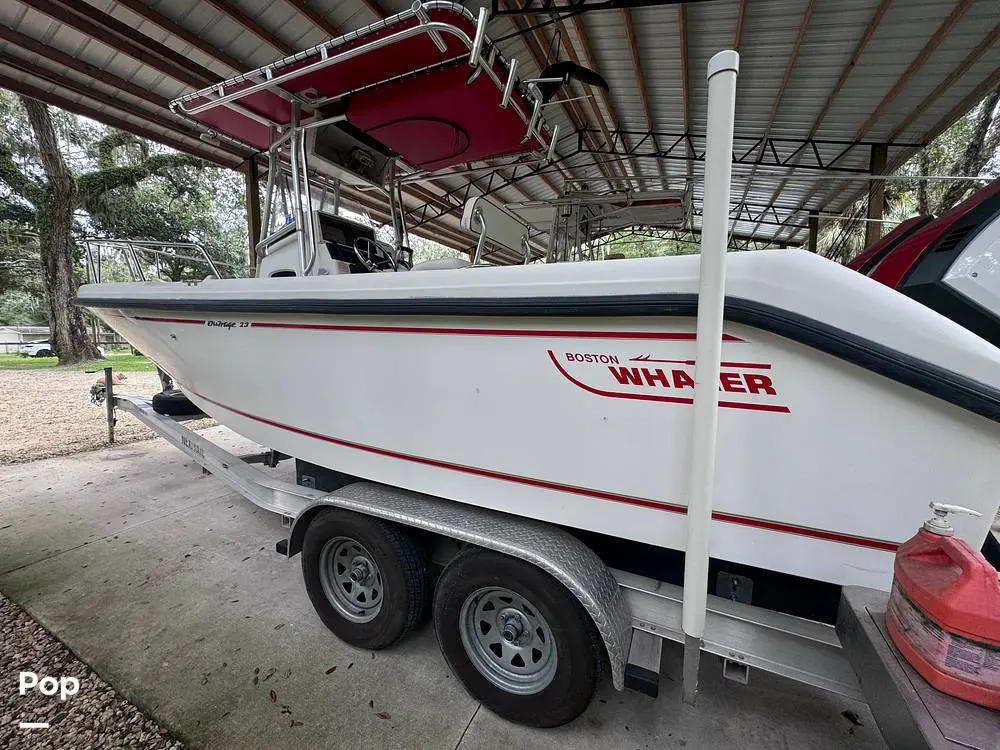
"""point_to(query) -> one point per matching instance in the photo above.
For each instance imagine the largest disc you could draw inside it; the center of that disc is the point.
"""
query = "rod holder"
(421, 13)
(551, 153)
(481, 244)
(535, 113)
(508, 89)
(479, 39)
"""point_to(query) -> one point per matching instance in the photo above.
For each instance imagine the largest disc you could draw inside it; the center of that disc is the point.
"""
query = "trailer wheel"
(517, 639)
(366, 578)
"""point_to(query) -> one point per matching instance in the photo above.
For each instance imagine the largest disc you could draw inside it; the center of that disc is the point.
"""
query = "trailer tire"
(390, 594)
(484, 594)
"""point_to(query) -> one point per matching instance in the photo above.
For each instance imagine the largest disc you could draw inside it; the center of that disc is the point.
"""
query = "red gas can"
(944, 612)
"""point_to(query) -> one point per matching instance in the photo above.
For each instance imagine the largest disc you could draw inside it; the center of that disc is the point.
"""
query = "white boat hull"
(824, 466)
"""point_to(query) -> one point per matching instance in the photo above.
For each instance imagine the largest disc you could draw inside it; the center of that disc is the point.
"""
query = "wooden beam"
(572, 114)
(549, 184)
(918, 62)
(862, 43)
(685, 81)
(175, 29)
(315, 18)
(971, 99)
(29, 44)
(876, 193)
(640, 80)
(88, 91)
(740, 16)
(813, 231)
(124, 39)
(422, 193)
(81, 108)
(845, 73)
(375, 9)
(534, 37)
(961, 69)
(942, 31)
(959, 110)
(302, 7)
(545, 180)
(252, 26)
(580, 115)
(451, 205)
(119, 36)
(793, 58)
(439, 233)
(630, 168)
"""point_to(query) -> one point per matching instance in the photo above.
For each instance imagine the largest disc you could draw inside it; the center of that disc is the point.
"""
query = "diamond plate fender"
(558, 553)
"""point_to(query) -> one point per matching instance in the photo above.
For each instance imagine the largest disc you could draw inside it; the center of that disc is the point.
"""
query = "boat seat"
(439, 264)
(496, 228)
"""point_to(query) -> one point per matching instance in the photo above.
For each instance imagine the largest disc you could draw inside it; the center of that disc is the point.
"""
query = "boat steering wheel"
(375, 256)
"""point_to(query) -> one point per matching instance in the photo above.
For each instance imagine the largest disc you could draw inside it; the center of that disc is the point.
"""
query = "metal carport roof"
(826, 90)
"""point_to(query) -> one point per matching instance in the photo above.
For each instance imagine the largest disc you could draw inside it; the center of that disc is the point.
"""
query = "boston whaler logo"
(645, 377)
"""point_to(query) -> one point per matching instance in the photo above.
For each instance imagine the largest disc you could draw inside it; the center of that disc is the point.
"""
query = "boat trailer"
(634, 614)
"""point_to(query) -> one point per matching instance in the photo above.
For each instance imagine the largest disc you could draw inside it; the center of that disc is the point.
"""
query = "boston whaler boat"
(560, 392)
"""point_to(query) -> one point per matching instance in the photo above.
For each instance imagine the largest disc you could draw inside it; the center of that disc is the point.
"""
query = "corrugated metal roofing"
(907, 69)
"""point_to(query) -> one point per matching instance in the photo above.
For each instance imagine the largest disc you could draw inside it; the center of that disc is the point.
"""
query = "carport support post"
(722, 70)
(876, 193)
(813, 230)
(252, 179)
(109, 403)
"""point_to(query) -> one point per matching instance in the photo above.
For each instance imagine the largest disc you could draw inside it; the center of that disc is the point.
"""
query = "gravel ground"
(96, 717)
(47, 413)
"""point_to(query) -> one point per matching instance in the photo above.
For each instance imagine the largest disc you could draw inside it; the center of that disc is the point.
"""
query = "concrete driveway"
(167, 584)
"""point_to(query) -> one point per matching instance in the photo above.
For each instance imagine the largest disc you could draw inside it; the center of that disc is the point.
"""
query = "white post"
(722, 70)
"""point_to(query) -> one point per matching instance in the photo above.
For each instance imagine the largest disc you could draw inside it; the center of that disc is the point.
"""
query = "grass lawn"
(120, 362)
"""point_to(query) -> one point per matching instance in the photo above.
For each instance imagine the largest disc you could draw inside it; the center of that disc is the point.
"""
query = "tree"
(203, 206)
(966, 149)
(969, 148)
(19, 268)
(50, 192)
(21, 308)
(635, 243)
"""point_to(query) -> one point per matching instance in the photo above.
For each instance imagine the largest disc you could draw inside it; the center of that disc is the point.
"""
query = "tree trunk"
(977, 153)
(925, 162)
(55, 220)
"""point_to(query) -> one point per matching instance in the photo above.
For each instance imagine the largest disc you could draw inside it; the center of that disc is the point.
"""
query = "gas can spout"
(938, 523)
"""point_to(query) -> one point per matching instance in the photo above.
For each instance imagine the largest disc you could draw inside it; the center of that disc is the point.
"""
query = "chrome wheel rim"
(508, 640)
(350, 579)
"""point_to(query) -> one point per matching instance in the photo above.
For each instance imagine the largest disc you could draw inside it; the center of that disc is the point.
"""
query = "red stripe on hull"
(517, 332)
(822, 534)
